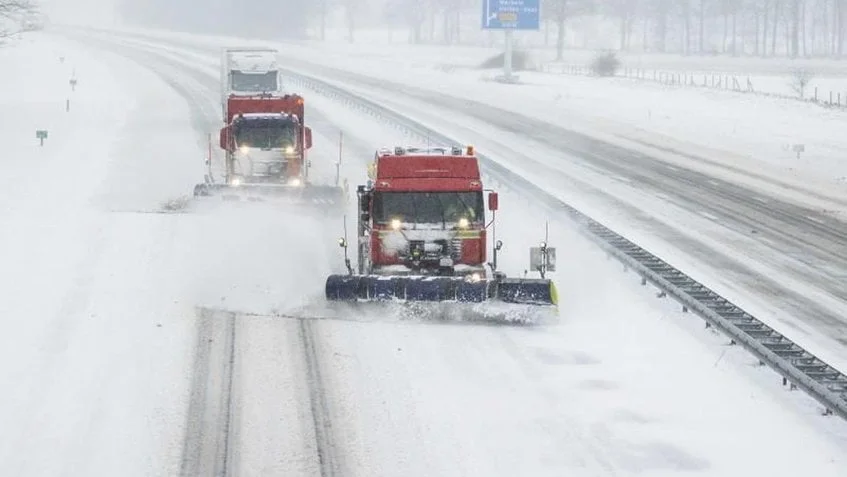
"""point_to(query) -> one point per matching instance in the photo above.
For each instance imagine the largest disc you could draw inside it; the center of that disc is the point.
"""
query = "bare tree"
(409, 13)
(625, 11)
(562, 10)
(799, 81)
(324, 13)
(776, 17)
(794, 50)
(351, 13)
(12, 13)
(558, 10)
(659, 11)
(729, 13)
(838, 28)
(704, 5)
(685, 16)
(766, 8)
(451, 18)
(415, 16)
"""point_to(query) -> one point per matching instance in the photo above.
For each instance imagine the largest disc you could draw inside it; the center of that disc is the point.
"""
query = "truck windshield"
(428, 207)
(265, 134)
(251, 82)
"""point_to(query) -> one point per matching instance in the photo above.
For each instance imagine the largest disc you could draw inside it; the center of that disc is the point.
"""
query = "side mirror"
(308, 137)
(493, 201)
(224, 138)
(342, 242)
(366, 203)
(498, 245)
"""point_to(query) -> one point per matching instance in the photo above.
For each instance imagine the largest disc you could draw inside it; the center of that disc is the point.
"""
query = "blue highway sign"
(511, 15)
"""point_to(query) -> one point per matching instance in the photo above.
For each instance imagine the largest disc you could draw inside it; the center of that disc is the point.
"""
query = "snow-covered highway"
(152, 347)
(763, 230)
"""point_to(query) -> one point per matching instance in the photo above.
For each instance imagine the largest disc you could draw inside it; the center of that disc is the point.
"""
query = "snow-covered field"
(769, 75)
(97, 324)
(101, 316)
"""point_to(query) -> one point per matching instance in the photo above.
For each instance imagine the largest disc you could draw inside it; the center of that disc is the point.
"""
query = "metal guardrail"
(798, 367)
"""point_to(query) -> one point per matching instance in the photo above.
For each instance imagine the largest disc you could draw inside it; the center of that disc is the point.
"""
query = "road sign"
(41, 135)
(511, 15)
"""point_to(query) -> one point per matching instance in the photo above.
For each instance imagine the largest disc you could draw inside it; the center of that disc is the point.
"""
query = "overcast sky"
(269, 18)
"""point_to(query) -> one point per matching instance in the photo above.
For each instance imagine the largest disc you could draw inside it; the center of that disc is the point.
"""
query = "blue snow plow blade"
(523, 291)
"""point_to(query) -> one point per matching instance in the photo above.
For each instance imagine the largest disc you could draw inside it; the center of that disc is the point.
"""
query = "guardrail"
(798, 367)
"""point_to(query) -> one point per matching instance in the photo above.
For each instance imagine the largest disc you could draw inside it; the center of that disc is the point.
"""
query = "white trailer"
(249, 71)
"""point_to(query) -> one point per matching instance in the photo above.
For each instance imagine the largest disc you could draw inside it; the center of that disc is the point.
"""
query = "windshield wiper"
(442, 211)
(464, 204)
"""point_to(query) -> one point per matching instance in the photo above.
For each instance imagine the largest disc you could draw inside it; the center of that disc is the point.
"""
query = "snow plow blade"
(311, 194)
(507, 299)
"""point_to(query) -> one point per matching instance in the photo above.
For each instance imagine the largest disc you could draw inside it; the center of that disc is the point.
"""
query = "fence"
(739, 84)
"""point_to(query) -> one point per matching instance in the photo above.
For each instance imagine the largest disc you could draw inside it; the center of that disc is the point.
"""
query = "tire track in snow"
(321, 420)
(209, 447)
(207, 442)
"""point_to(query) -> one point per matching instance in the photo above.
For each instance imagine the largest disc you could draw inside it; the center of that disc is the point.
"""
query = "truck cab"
(423, 213)
(265, 148)
(265, 140)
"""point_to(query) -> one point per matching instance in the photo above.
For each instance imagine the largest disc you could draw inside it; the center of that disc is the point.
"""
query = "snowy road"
(776, 248)
(618, 389)
(290, 433)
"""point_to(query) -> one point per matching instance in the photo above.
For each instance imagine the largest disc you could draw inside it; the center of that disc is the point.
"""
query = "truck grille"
(456, 249)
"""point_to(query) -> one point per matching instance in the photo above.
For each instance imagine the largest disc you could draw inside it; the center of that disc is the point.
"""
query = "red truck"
(265, 142)
(425, 213)
(422, 234)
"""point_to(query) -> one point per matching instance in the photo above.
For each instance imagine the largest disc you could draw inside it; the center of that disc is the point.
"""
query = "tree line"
(793, 28)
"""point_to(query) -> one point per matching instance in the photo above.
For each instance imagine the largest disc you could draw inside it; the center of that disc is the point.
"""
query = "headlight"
(236, 181)
(463, 223)
(244, 149)
(476, 277)
(395, 224)
(294, 182)
(289, 150)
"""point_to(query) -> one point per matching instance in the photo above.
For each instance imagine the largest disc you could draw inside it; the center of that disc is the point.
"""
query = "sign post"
(510, 15)
(41, 135)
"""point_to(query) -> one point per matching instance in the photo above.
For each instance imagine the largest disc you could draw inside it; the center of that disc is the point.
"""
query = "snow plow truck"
(265, 140)
(421, 243)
